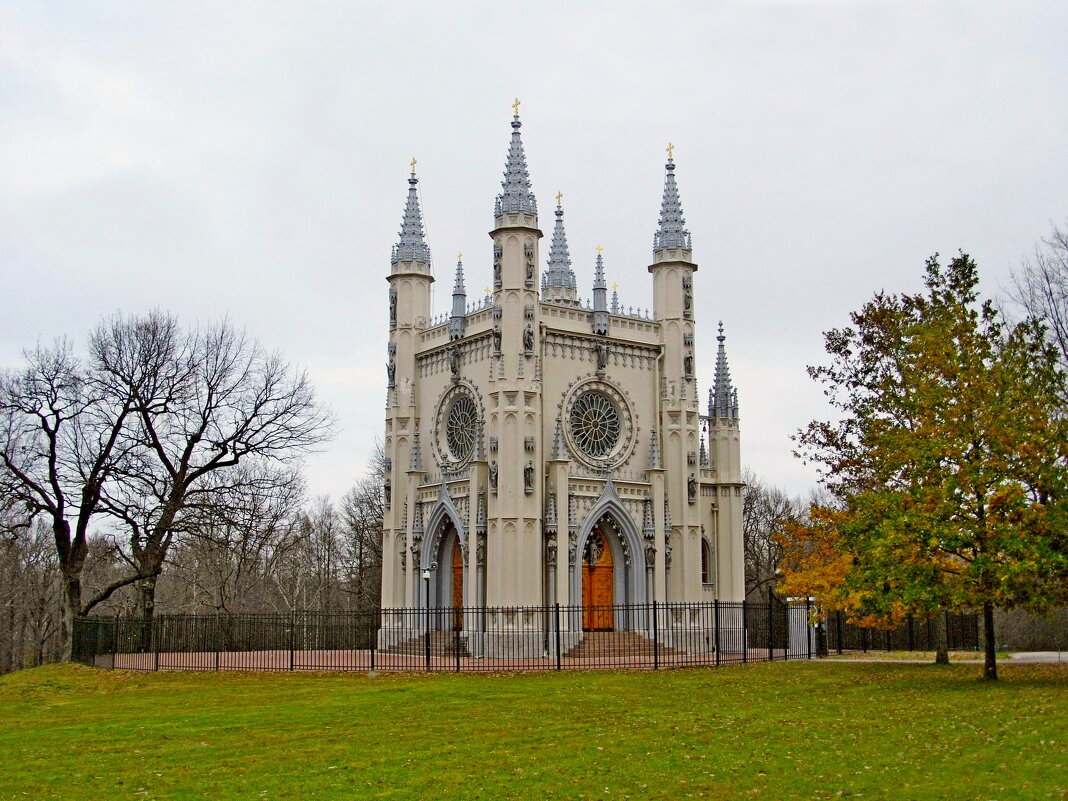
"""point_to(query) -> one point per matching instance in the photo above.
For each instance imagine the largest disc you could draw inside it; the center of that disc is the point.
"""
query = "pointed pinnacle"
(411, 246)
(672, 232)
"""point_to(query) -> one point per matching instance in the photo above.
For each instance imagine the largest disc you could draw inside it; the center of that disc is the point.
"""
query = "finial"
(615, 287)
(559, 197)
(486, 290)
(599, 250)
(414, 162)
(515, 107)
(459, 257)
(721, 337)
(670, 151)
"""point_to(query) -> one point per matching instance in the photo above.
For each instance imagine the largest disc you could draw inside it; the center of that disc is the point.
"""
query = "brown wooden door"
(457, 586)
(597, 584)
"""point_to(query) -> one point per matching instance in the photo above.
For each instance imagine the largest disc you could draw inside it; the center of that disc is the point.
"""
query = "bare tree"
(1040, 288)
(764, 511)
(204, 401)
(61, 437)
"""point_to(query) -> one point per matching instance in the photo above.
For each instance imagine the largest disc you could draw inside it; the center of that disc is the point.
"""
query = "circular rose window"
(595, 424)
(460, 428)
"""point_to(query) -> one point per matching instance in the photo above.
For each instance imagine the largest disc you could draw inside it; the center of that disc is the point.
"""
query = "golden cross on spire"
(413, 165)
(599, 250)
(459, 257)
(515, 107)
(670, 151)
(559, 197)
(615, 287)
(486, 290)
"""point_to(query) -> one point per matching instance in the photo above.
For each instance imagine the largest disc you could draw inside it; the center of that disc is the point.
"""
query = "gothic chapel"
(543, 451)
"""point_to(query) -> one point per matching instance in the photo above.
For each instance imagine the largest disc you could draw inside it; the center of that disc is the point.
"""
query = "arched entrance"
(598, 579)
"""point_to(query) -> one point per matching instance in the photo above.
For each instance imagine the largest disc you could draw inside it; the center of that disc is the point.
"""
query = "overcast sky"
(250, 160)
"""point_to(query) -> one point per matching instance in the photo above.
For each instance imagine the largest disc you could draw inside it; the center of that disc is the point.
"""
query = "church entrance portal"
(597, 583)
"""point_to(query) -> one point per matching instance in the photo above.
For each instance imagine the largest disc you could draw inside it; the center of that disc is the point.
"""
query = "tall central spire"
(558, 281)
(515, 196)
(672, 232)
(412, 243)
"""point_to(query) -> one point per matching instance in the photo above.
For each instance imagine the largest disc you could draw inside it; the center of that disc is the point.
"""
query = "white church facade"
(541, 450)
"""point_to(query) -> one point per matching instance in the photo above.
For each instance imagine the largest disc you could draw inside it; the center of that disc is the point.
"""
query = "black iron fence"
(646, 636)
(914, 634)
(641, 636)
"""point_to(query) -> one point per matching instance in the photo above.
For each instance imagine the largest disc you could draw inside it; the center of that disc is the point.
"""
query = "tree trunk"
(147, 604)
(72, 603)
(990, 665)
(938, 633)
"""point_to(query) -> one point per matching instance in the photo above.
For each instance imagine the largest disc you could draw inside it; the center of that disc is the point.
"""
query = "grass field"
(768, 731)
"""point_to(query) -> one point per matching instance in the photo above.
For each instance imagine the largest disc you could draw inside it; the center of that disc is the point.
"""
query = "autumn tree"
(949, 462)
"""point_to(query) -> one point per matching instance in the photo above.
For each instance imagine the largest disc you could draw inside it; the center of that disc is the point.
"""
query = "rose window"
(460, 428)
(595, 424)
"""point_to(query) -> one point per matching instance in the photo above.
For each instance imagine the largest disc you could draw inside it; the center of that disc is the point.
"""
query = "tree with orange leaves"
(949, 462)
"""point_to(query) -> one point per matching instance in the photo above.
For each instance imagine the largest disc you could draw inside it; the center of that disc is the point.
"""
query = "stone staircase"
(616, 645)
(442, 643)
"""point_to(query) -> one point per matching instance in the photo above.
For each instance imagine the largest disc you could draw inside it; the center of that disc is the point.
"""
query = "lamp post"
(426, 631)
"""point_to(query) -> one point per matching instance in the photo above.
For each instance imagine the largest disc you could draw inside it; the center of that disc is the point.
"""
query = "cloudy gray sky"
(250, 160)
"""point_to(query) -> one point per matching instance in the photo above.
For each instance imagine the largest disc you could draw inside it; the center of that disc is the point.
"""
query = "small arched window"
(706, 563)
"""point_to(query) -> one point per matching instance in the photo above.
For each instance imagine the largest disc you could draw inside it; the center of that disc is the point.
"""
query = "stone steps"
(615, 644)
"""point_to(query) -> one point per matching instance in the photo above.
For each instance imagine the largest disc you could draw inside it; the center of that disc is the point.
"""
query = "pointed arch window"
(706, 563)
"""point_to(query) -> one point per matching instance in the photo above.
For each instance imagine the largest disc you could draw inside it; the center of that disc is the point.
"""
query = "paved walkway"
(1018, 658)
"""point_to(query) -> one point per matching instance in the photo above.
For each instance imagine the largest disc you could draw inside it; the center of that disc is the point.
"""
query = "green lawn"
(768, 731)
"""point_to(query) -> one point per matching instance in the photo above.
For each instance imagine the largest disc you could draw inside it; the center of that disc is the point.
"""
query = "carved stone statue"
(454, 361)
(602, 355)
(691, 488)
(528, 477)
(528, 338)
(391, 372)
(528, 251)
(393, 307)
(497, 340)
(688, 363)
(497, 254)
(493, 477)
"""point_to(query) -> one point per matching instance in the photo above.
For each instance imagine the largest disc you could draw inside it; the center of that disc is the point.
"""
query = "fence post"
(715, 623)
(426, 638)
(838, 628)
(114, 639)
(556, 633)
(864, 640)
(154, 634)
(912, 636)
(456, 644)
(373, 634)
(292, 637)
(808, 627)
(656, 637)
(771, 627)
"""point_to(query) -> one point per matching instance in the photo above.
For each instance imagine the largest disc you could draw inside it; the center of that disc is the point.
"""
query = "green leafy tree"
(949, 460)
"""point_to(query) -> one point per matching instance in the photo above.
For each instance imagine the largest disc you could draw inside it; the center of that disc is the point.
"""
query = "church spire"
(559, 279)
(459, 301)
(672, 232)
(600, 296)
(722, 398)
(412, 243)
(515, 196)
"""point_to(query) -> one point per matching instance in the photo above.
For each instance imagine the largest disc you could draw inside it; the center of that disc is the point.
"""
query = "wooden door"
(457, 586)
(597, 584)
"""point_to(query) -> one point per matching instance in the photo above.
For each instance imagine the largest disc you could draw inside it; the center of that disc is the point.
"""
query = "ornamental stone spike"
(558, 280)
(654, 450)
(515, 193)
(722, 398)
(672, 232)
(411, 246)
(459, 302)
(600, 296)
